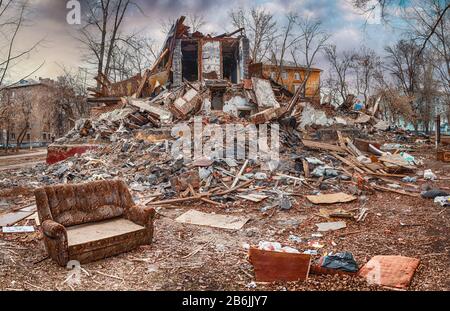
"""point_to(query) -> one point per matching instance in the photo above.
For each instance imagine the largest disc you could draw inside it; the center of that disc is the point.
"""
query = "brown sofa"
(90, 221)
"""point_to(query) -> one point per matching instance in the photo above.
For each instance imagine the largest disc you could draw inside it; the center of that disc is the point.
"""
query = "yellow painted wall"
(312, 85)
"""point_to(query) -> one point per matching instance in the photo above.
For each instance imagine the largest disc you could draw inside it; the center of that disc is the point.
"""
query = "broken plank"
(178, 200)
(353, 148)
(236, 179)
(396, 191)
(349, 163)
(254, 197)
(324, 146)
(305, 168)
(331, 226)
(235, 188)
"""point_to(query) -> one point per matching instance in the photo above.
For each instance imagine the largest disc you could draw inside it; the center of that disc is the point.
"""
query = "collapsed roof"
(184, 56)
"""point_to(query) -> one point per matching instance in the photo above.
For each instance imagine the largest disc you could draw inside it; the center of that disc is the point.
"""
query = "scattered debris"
(276, 247)
(9, 219)
(444, 201)
(428, 174)
(330, 226)
(409, 179)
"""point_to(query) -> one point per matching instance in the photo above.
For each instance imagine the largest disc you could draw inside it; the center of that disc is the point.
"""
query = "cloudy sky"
(48, 21)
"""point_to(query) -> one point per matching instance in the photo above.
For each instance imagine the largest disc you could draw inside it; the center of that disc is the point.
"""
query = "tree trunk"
(20, 138)
(7, 141)
(416, 127)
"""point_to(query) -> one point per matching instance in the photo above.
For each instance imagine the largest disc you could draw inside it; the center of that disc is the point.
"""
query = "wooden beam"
(318, 145)
(103, 99)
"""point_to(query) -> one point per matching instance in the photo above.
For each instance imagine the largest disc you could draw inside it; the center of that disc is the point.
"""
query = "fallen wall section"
(57, 153)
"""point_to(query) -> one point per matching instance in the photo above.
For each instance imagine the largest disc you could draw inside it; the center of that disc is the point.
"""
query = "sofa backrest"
(73, 204)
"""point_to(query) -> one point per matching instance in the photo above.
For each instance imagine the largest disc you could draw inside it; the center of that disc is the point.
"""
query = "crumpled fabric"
(433, 193)
(340, 261)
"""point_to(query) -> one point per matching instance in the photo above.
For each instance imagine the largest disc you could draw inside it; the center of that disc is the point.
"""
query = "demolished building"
(327, 156)
(185, 57)
(204, 75)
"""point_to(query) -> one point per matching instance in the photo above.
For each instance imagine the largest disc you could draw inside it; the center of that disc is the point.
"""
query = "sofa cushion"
(91, 236)
(76, 217)
(81, 203)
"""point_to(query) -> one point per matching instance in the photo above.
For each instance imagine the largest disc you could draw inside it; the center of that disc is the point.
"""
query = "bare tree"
(365, 63)
(22, 103)
(288, 39)
(421, 18)
(101, 31)
(428, 93)
(312, 40)
(6, 116)
(166, 24)
(132, 55)
(395, 104)
(330, 91)
(383, 6)
(12, 20)
(68, 100)
(195, 21)
(260, 27)
(404, 64)
(340, 65)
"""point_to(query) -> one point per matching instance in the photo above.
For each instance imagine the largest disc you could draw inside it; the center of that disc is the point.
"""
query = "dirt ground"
(21, 159)
(190, 257)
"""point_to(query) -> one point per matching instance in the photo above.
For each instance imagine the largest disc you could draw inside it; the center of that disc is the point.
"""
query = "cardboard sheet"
(331, 198)
(212, 220)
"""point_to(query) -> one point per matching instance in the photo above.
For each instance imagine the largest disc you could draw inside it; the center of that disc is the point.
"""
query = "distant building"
(27, 109)
(291, 77)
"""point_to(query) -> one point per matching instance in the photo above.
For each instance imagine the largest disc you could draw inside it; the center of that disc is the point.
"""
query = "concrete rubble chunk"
(264, 94)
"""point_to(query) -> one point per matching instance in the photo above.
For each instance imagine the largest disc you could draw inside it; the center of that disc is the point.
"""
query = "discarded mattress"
(390, 271)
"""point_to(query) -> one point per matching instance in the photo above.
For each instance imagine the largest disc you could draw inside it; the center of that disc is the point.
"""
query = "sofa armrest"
(55, 238)
(141, 215)
(54, 230)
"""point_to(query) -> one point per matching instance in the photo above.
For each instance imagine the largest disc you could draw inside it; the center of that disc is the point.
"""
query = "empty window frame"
(189, 52)
(230, 60)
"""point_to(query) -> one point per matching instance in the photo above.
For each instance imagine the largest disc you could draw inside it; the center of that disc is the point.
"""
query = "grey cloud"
(49, 19)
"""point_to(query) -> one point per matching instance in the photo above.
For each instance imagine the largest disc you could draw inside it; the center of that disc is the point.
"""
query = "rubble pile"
(141, 154)
(135, 143)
